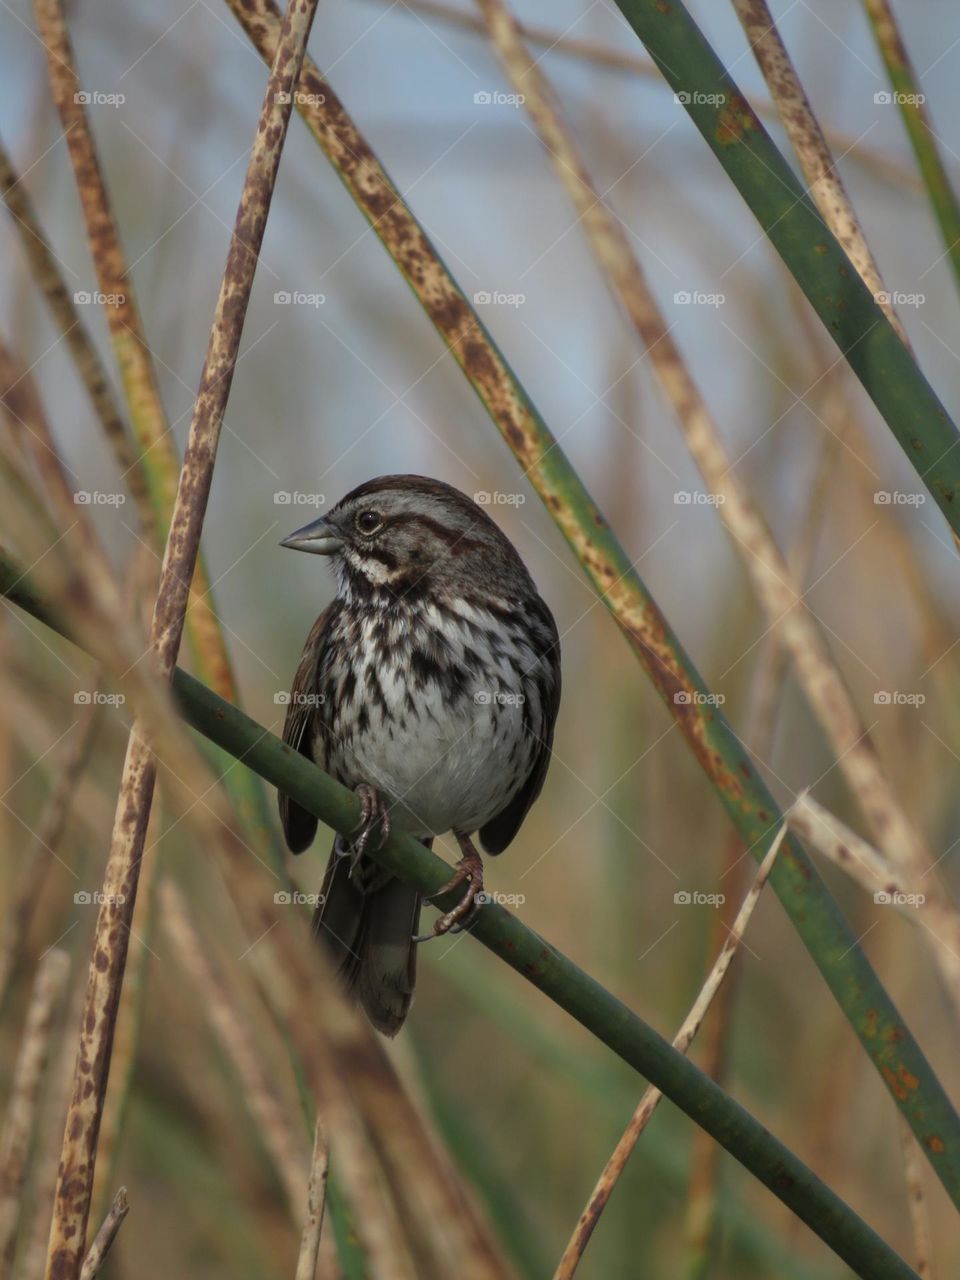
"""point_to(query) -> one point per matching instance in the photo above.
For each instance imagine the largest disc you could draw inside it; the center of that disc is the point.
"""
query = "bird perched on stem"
(430, 686)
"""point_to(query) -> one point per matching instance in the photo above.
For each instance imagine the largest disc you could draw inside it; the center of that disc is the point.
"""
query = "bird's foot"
(470, 872)
(374, 817)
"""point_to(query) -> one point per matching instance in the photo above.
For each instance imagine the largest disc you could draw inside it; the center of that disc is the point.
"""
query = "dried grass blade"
(103, 1241)
(75, 1184)
(615, 1166)
(20, 1119)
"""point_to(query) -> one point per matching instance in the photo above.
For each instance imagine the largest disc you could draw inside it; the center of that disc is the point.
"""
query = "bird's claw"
(461, 916)
(374, 814)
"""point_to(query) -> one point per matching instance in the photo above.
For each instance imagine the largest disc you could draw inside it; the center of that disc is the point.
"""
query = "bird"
(430, 686)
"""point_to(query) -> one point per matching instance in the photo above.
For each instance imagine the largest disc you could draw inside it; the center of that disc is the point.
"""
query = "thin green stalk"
(825, 933)
(720, 111)
(865, 337)
(547, 969)
(916, 120)
(605, 55)
(349, 1250)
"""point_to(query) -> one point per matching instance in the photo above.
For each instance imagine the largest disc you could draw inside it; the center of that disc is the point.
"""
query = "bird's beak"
(320, 537)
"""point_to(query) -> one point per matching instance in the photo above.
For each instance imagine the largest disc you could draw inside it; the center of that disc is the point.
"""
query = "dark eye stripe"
(456, 539)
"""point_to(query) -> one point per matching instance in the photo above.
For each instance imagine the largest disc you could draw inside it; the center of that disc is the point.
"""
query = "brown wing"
(300, 826)
(501, 829)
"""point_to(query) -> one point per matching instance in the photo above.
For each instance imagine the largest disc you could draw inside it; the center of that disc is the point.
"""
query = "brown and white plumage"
(433, 678)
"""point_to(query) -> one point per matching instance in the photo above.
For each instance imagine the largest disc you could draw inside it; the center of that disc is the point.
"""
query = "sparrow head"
(400, 535)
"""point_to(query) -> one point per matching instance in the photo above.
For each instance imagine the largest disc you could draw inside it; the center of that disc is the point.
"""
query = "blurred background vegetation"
(328, 393)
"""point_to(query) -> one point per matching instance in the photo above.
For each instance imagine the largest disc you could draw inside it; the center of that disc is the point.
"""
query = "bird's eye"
(368, 522)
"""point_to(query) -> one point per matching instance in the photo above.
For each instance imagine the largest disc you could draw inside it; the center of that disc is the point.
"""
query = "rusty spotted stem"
(530, 955)
(75, 1182)
(710, 736)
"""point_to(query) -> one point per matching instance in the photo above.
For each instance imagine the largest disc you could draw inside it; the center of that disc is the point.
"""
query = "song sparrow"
(430, 686)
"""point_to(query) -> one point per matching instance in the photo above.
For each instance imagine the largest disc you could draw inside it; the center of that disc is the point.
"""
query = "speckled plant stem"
(75, 1182)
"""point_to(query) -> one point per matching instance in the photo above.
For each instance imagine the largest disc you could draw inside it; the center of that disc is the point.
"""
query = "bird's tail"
(368, 921)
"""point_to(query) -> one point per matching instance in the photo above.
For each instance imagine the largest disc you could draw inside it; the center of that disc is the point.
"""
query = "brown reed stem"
(879, 162)
(137, 371)
(44, 842)
(773, 582)
(20, 1119)
(916, 1202)
(316, 1200)
(103, 1241)
(811, 147)
(284, 1146)
(75, 1183)
(573, 1253)
(50, 281)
